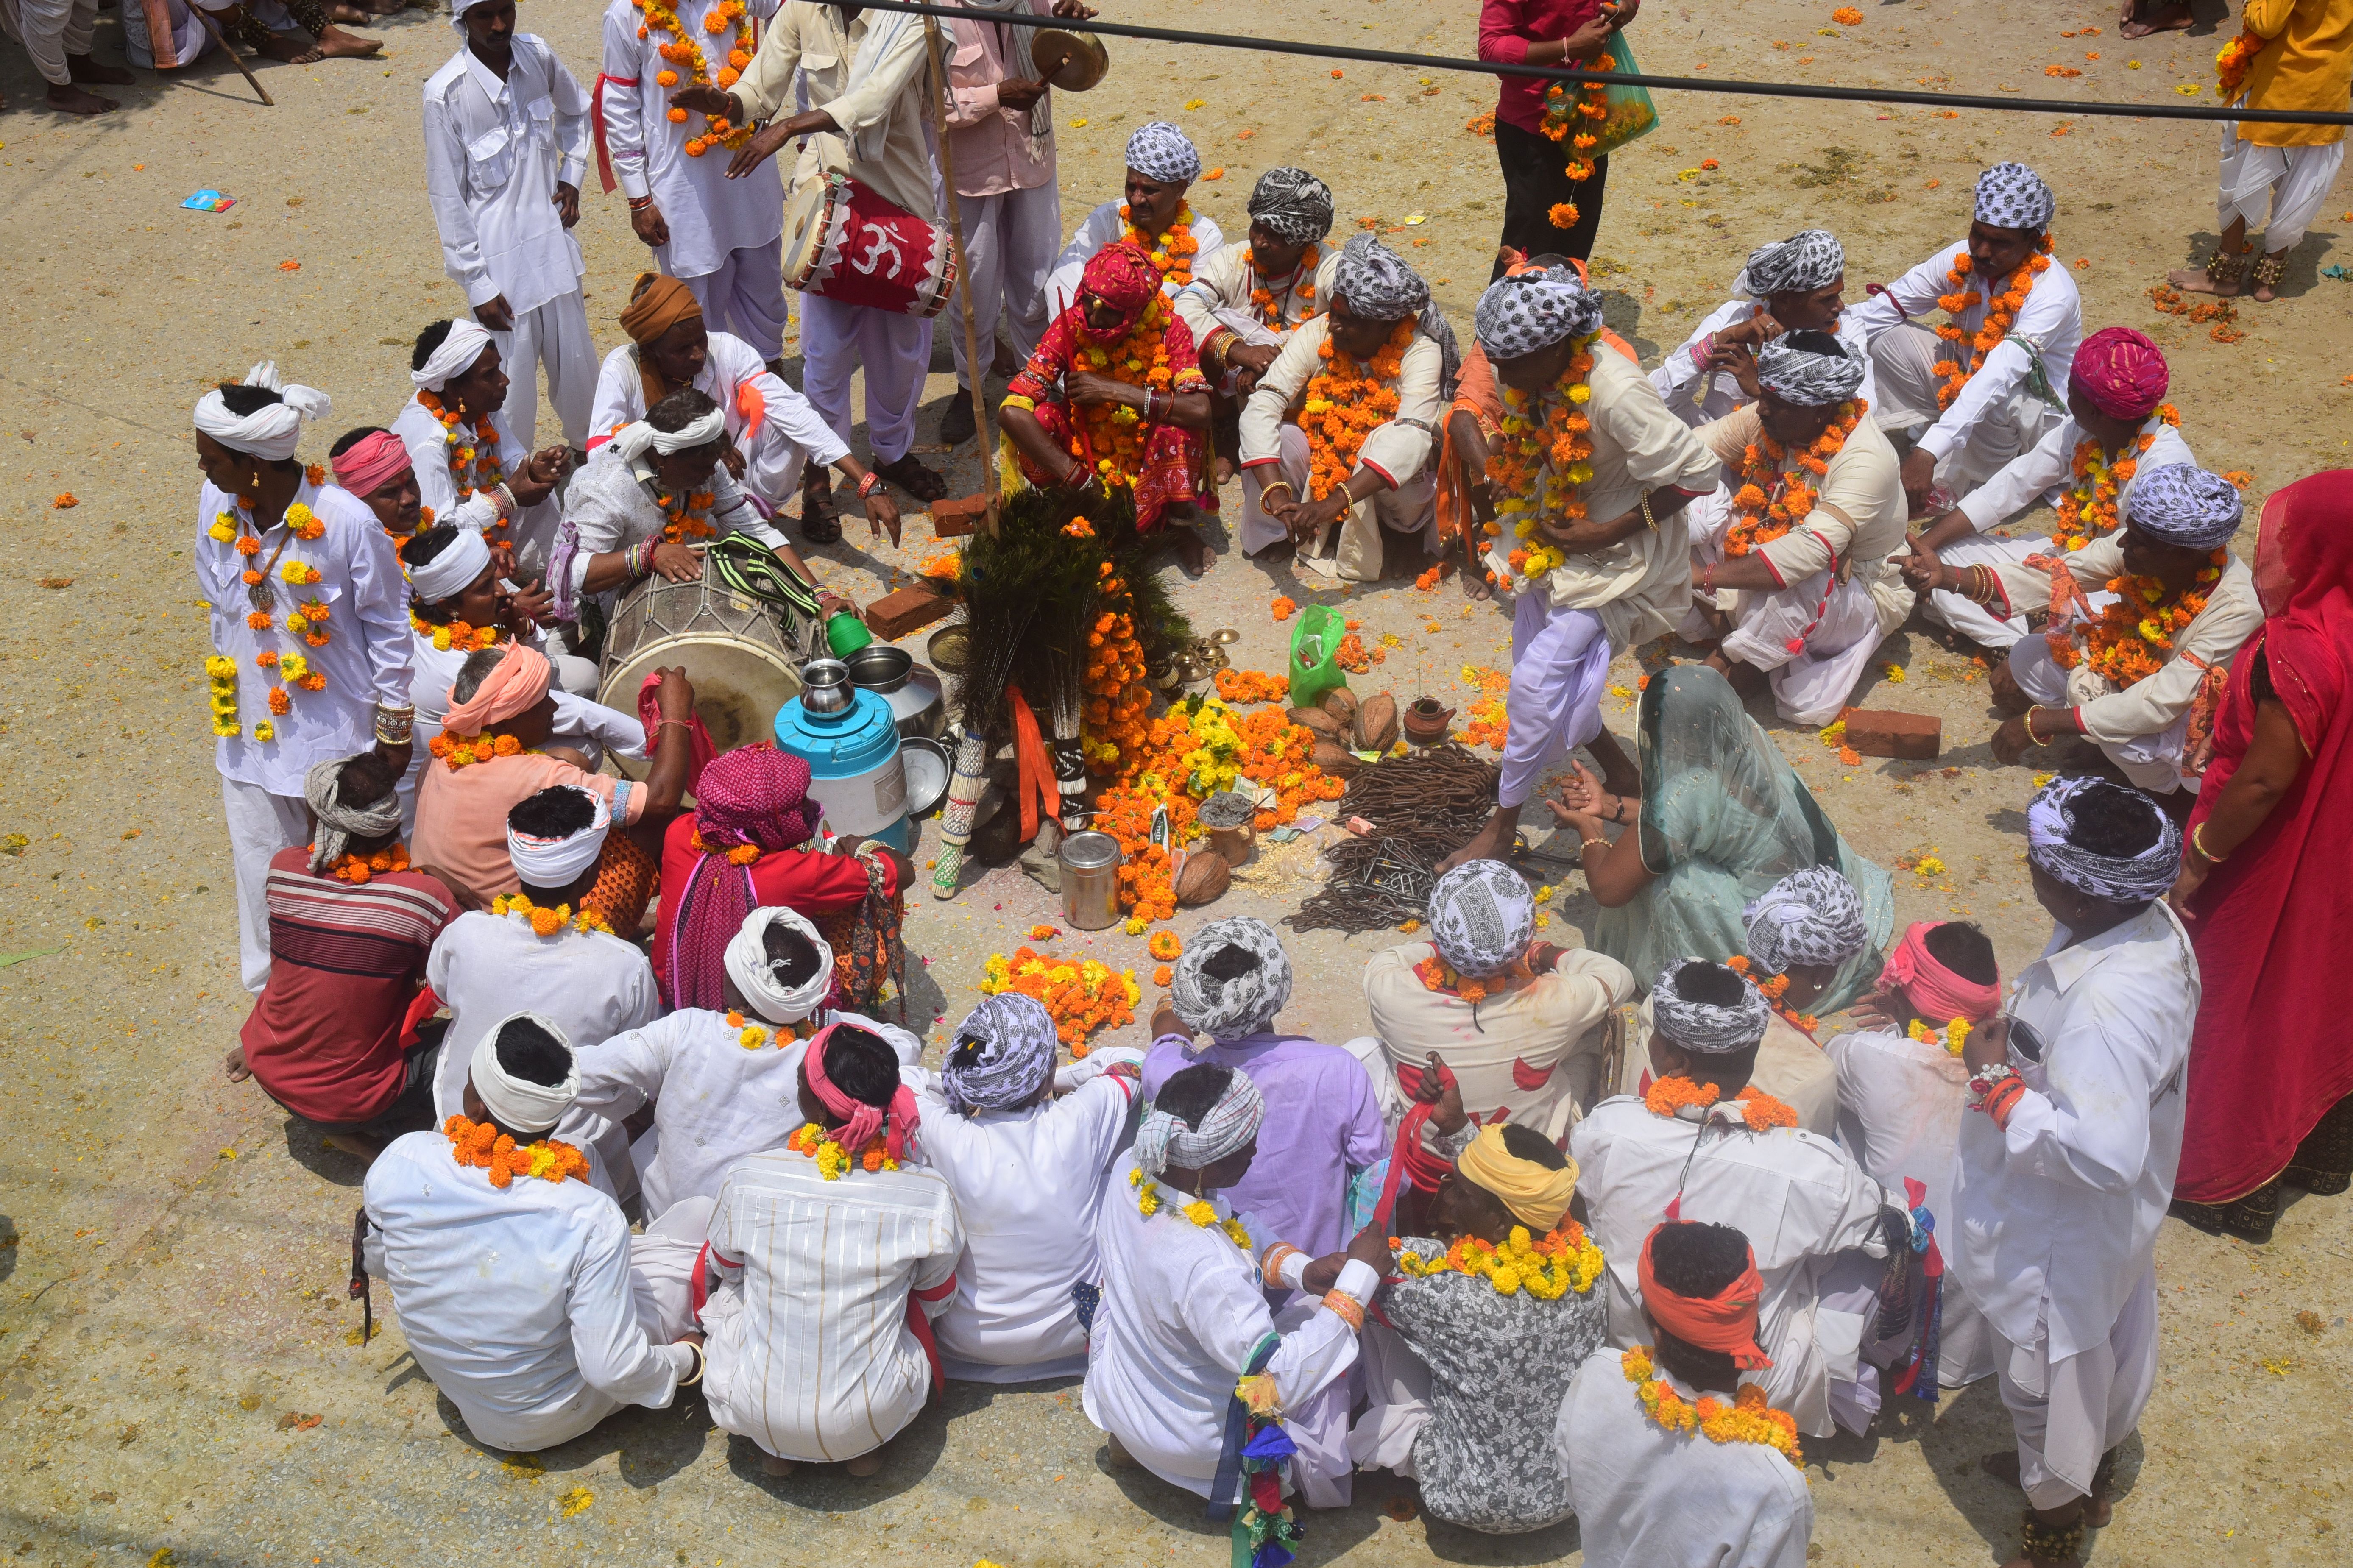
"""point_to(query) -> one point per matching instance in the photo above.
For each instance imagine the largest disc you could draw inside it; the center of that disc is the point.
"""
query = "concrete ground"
(178, 1377)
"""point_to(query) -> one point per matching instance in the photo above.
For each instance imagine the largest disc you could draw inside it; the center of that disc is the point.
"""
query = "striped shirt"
(324, 1038)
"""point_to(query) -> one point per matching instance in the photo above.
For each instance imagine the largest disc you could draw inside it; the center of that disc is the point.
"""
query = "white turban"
(458, 9)
(271, 432)
(556, 862)
(754, 973)
(517, 1103)
(1160, 152)
(632, 441)
(456, 356)
(453, 571)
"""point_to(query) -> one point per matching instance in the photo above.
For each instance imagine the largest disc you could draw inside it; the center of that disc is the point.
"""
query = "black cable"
(1626, 78)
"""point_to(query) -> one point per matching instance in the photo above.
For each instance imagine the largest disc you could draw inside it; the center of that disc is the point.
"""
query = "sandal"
(913, 478)
(820, 519)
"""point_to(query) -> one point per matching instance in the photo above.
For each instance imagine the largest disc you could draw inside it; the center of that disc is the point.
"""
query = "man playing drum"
(863, 72)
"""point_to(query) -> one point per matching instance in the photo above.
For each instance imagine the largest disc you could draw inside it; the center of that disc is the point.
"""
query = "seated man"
(1656, 1483)
(1805, 933)
(372, 464)
(773, 430)
(300, 32)
(1902, 1088)
(1370, 381)
(2118, 426)
(1161, 163)
(1073, 419)
(531, 950)
(820, 1353)
(2132, 677)
(490, 755)
(350, 927)
(1705, 1140)
(1467, 1376)
(470, 470)
(1183, 1314)
(513, 1277)
(1990, 383)
(1797, 581)
(1028, 1166)
(655, 488)
(1242, 303)
(1795, 285)
(1519, 1021)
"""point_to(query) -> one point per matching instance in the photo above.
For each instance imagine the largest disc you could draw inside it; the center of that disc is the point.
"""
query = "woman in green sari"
(1722, 818)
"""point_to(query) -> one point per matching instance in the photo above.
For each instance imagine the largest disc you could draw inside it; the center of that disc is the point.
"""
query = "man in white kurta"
(1161, 164)
(717, 235)
(459, 364)
(520, 1302)
(506, 139)
(1812, 605)
(2067, 1156)
(2006, 403)
(1794, 285)
(1028, 1166)
(1799, 1197)
(247, 437)
(2117, 426)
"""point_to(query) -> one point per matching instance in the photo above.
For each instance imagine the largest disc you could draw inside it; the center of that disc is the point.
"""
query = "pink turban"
(370, 463)
(755, 796)
(1936, 992)
(861, 1121)
(515, 687)
(2122, 371)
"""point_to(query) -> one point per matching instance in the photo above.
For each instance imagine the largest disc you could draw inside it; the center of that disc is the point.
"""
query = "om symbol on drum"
(881, 241)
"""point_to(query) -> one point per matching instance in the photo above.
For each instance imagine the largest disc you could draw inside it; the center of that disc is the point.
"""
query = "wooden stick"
(214, 28)
(973, 365)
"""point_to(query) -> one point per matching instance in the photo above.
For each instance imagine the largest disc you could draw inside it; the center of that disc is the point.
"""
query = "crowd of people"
(1588, 1231)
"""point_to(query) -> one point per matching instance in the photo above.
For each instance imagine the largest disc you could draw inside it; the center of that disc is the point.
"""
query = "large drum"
(743, 669)
(846, 242)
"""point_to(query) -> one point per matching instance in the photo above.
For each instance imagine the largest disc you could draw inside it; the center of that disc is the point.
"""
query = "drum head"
(806, 206)
(1071, 61)
(732, 652)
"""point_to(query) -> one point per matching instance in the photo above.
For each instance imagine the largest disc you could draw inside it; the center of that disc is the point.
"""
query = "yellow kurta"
(2308, 64)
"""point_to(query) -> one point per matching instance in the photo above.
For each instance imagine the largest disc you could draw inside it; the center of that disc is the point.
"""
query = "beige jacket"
(881, 117)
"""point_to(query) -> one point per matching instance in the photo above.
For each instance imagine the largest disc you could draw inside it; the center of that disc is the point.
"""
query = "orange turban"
(656, 305)
(515, 687)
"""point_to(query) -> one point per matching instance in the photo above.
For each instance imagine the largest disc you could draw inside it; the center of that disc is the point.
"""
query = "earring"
(257, 482)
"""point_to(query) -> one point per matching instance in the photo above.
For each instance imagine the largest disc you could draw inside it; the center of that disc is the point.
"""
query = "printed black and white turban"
(1377, 284)
(1482, 916)
(1702, 1027)
(2011, 196)
(1163, 1139)
(1233, 979)
(1158, 151)
(340, 824)
(1813, 915)
(1530, 311)
(1804, 261)
(1293, 205)
(2137, 879)
(1002, 1052)
(1814, 373)
(2181, 503)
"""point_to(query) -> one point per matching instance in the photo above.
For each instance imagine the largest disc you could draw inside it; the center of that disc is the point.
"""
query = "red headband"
(861, 1121)
(1936, 992)
(1725, 1322)
(370, 462)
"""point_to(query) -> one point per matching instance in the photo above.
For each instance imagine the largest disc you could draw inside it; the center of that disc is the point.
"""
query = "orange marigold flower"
(1283, 608)
(1563, 215)
(1162, 975)
(1166, 945)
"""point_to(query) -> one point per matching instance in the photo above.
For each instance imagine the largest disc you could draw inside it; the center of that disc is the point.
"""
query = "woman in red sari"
(2263, 884)
(1115, 397)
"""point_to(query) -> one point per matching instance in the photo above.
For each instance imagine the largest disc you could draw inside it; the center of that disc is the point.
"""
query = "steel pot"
(918, 704)
(1090, 866)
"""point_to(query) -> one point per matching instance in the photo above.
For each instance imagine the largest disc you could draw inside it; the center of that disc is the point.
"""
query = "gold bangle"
(1585, 844)
(2198, 842)
(2032, 739)
(1649, 521)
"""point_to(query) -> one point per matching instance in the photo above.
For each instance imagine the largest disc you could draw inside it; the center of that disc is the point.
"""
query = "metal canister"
(1090, 863)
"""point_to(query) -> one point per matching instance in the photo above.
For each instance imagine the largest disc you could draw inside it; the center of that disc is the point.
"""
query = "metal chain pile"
(1423, 807)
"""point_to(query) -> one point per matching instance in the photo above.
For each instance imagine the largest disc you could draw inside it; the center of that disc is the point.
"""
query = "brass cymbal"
(1071, 61)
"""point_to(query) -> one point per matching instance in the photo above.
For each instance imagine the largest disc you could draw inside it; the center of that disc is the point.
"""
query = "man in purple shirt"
(1536, 167)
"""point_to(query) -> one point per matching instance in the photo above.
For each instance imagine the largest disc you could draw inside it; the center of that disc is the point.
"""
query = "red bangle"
(866, 486)
(2004, 1099)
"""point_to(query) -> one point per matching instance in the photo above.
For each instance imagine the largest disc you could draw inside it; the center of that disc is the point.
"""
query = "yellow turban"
(1537, 1196)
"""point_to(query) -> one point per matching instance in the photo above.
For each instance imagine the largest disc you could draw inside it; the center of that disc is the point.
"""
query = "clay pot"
(1322, 725)
(1376, 723)
(1340, 703)
(1426, 721)
(1204, 878)
(1335, 759)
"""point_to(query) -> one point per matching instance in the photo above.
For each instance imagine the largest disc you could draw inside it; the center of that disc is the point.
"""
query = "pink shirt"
(993, 149)
(1506, 29)
(461, 813)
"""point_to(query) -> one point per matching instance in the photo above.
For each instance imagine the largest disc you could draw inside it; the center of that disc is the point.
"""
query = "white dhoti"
(1350, 547)
(1009, 243)
(555, 337)
(259, 824)
(661, 1267)
(1904, 359)
(2068, 1413)
(2152, 762)
(745, 297)
(50, 30)
(1834, 622)
(1560, 664)
(1966, 616)
(892, 348)
(2291, 182)
(1322, 1471)
(1397, 1394)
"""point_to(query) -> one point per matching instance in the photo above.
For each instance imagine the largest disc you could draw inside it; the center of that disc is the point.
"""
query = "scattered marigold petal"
(65, 502)
(290, 267)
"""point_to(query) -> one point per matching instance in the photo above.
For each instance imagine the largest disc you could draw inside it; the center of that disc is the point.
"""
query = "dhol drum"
(742, 667)
(844, 241)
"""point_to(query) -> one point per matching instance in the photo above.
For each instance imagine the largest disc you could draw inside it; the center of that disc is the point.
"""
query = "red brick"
(894, 615)
(1882, 732)
(955, 517)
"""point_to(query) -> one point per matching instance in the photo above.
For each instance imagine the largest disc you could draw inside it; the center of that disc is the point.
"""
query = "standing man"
(57, 35)
(291, 687)
(506, 138)
(719, 236)
(1536, 167)
(863, 73)
(2065, 1175)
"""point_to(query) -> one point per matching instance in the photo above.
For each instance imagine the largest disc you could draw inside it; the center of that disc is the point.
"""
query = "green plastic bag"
(1316, 654)
(1631, 111)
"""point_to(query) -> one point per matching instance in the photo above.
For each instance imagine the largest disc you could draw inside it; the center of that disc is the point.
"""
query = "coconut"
(1335, 759)
(1314, 719)
(1376, 723)
(1204, 878)
(1340, 703)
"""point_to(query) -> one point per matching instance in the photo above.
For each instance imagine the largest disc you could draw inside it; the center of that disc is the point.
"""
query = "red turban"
(1124, 278)
(2122, 371)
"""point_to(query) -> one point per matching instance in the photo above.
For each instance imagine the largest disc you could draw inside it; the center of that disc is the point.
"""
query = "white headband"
(270, 433)
(555, 862)
(457, 354)
(515, 1103)
(632, 440)
(749, 966)
(453, 571)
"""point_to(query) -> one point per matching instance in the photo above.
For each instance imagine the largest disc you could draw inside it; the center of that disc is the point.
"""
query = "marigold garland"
(2089, 509)
(547, 921)
(738, 855)
(1149, 1201)
(473, 465)
(458, 635)
(458, 752)
(1749, 1419)
(307, 622)
(1579, 118)
(1111, 436)
(687, 516)
(832, 1158)
(1999, 318)
(1437, 975)
(1758, 1109)
(2133, 637)
(1081, 995)
(686, 52)
(480, 1146)
(1264, 303)
(1172, 253)
(1775, 498)
(1776, 986)
(1952, 1036)
(1547, 1267)
(2234, 60)
(358, 868)
(1540, 465)
(1345, 402)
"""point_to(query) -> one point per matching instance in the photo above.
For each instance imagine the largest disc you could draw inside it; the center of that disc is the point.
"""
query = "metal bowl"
(928, 769)
(947, 647)
(918, 705)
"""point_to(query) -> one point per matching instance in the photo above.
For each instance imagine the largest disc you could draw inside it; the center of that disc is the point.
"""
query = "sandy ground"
(181, 1381)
